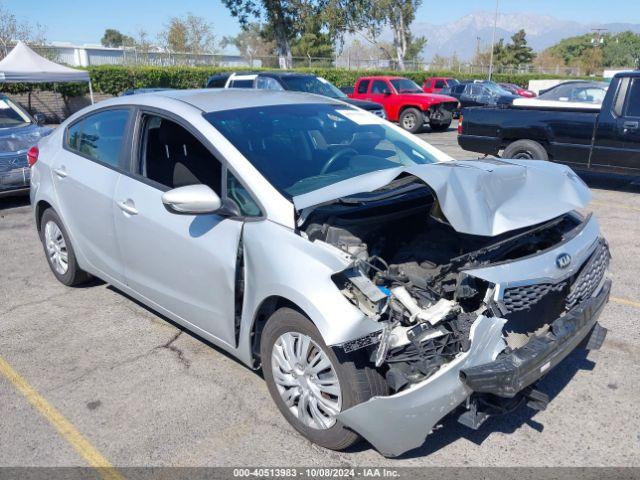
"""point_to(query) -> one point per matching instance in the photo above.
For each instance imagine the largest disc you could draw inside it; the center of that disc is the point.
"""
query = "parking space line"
(61, 424)
(624, 301)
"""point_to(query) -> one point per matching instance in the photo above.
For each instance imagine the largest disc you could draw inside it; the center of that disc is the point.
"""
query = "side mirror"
(192, 200)
(39, 118)
(387, 93)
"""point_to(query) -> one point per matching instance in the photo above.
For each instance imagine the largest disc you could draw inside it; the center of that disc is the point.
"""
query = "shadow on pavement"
(611, 181)
(14, 201)
(450, 430)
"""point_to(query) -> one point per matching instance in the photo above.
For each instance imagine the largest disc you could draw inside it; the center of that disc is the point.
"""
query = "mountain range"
(461, 36)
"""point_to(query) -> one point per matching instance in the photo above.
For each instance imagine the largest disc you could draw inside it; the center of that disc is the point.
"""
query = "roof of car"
(210, 100)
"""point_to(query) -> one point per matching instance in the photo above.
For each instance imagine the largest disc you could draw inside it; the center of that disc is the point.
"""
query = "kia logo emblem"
(563, 260)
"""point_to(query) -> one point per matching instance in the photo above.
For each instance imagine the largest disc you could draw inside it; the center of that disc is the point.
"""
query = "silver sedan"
(379, 284)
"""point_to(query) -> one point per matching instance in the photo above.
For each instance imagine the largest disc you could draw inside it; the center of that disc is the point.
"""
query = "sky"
(82, 22)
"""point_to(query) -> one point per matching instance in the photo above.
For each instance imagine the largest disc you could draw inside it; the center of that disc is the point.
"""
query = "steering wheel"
(334, 158)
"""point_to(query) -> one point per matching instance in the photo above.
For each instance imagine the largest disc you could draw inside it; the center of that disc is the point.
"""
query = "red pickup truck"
(405, 103)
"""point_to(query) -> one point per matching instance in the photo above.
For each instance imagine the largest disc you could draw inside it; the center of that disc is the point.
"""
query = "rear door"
(85, 175)
(617, 137)
(380, 91)
(183, 264)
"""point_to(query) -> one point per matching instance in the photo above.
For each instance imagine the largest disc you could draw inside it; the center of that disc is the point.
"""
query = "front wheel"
(308, 381)
(411, 120)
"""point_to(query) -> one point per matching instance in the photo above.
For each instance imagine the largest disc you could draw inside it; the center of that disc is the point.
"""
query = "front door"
(184, 264)
(617, 137)
(85, 174)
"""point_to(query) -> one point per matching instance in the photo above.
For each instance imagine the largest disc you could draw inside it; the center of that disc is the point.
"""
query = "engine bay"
(408, 273)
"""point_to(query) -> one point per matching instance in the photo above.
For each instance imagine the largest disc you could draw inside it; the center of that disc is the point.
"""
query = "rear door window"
(633, 99)
(268, 83)
(379, 87)
(440, 84)
(100, 136)
(363, 86)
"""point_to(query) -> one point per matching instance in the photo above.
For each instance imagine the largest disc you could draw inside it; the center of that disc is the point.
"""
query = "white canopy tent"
(23, 65)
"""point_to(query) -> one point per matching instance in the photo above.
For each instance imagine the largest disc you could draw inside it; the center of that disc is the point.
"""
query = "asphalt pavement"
(136, 390)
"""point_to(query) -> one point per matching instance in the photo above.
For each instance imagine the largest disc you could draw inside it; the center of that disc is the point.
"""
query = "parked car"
(379, 284)
(138, 91)
(293, 81)
(19, 131)
(517, 90)
(584, 136)
(576, 91)
(437, 84)
(406, 103)
(480, 93)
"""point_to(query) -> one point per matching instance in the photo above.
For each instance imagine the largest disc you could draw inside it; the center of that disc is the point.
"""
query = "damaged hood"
(479, 197)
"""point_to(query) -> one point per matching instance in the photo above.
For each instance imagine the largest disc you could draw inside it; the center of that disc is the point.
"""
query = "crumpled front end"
(462, 317)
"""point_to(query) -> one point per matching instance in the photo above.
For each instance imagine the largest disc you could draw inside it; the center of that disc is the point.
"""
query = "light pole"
(493, 40)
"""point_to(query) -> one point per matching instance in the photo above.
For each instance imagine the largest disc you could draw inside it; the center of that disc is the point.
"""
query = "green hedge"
(114, 79)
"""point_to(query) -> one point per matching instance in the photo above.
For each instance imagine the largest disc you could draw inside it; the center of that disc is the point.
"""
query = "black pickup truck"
(605, 138)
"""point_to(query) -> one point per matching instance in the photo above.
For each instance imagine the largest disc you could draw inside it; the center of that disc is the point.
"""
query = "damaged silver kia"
(380, 285)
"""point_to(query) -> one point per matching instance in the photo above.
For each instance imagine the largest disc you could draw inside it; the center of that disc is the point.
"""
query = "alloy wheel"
(56, 247)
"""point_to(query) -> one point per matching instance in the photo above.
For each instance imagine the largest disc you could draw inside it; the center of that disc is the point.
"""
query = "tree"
(312, 41)
(397, 15)
(251, 43)
(12, 31)
(515, 53)
(115, 39)
(188, 34)
(281, 18)
(591, 52)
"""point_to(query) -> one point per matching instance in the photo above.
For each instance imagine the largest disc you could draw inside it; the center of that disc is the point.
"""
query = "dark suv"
(294, 81)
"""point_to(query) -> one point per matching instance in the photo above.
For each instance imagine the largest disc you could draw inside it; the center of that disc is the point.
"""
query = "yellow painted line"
(64, 427)
(615, 205)
(624, 301)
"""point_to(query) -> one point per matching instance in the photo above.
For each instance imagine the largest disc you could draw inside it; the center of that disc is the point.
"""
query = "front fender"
(277, 262)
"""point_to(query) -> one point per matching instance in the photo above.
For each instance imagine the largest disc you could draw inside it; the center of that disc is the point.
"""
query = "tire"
(51, 228)
(440, 127)
(357, 380)
(526, 150)
(411, 119)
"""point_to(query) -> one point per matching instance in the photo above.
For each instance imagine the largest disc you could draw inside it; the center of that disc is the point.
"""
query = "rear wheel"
(60, 253)
(310, 383)
(411, 120)
(526, 150)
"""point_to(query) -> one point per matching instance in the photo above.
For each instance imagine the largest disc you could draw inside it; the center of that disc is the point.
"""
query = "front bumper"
(512, 373)
(400, 422)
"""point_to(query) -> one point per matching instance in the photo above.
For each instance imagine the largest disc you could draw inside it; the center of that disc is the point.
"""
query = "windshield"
(310, 84)
(496, 89)
(301, 148)
(584, 93)
(11, 115)
(404, 85)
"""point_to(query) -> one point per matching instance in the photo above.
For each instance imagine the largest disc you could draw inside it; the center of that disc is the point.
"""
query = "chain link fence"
(89, 55)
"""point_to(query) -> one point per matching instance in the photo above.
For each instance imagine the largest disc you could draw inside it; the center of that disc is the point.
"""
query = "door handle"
(60, 172)
(630, 126)
(128, 206)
